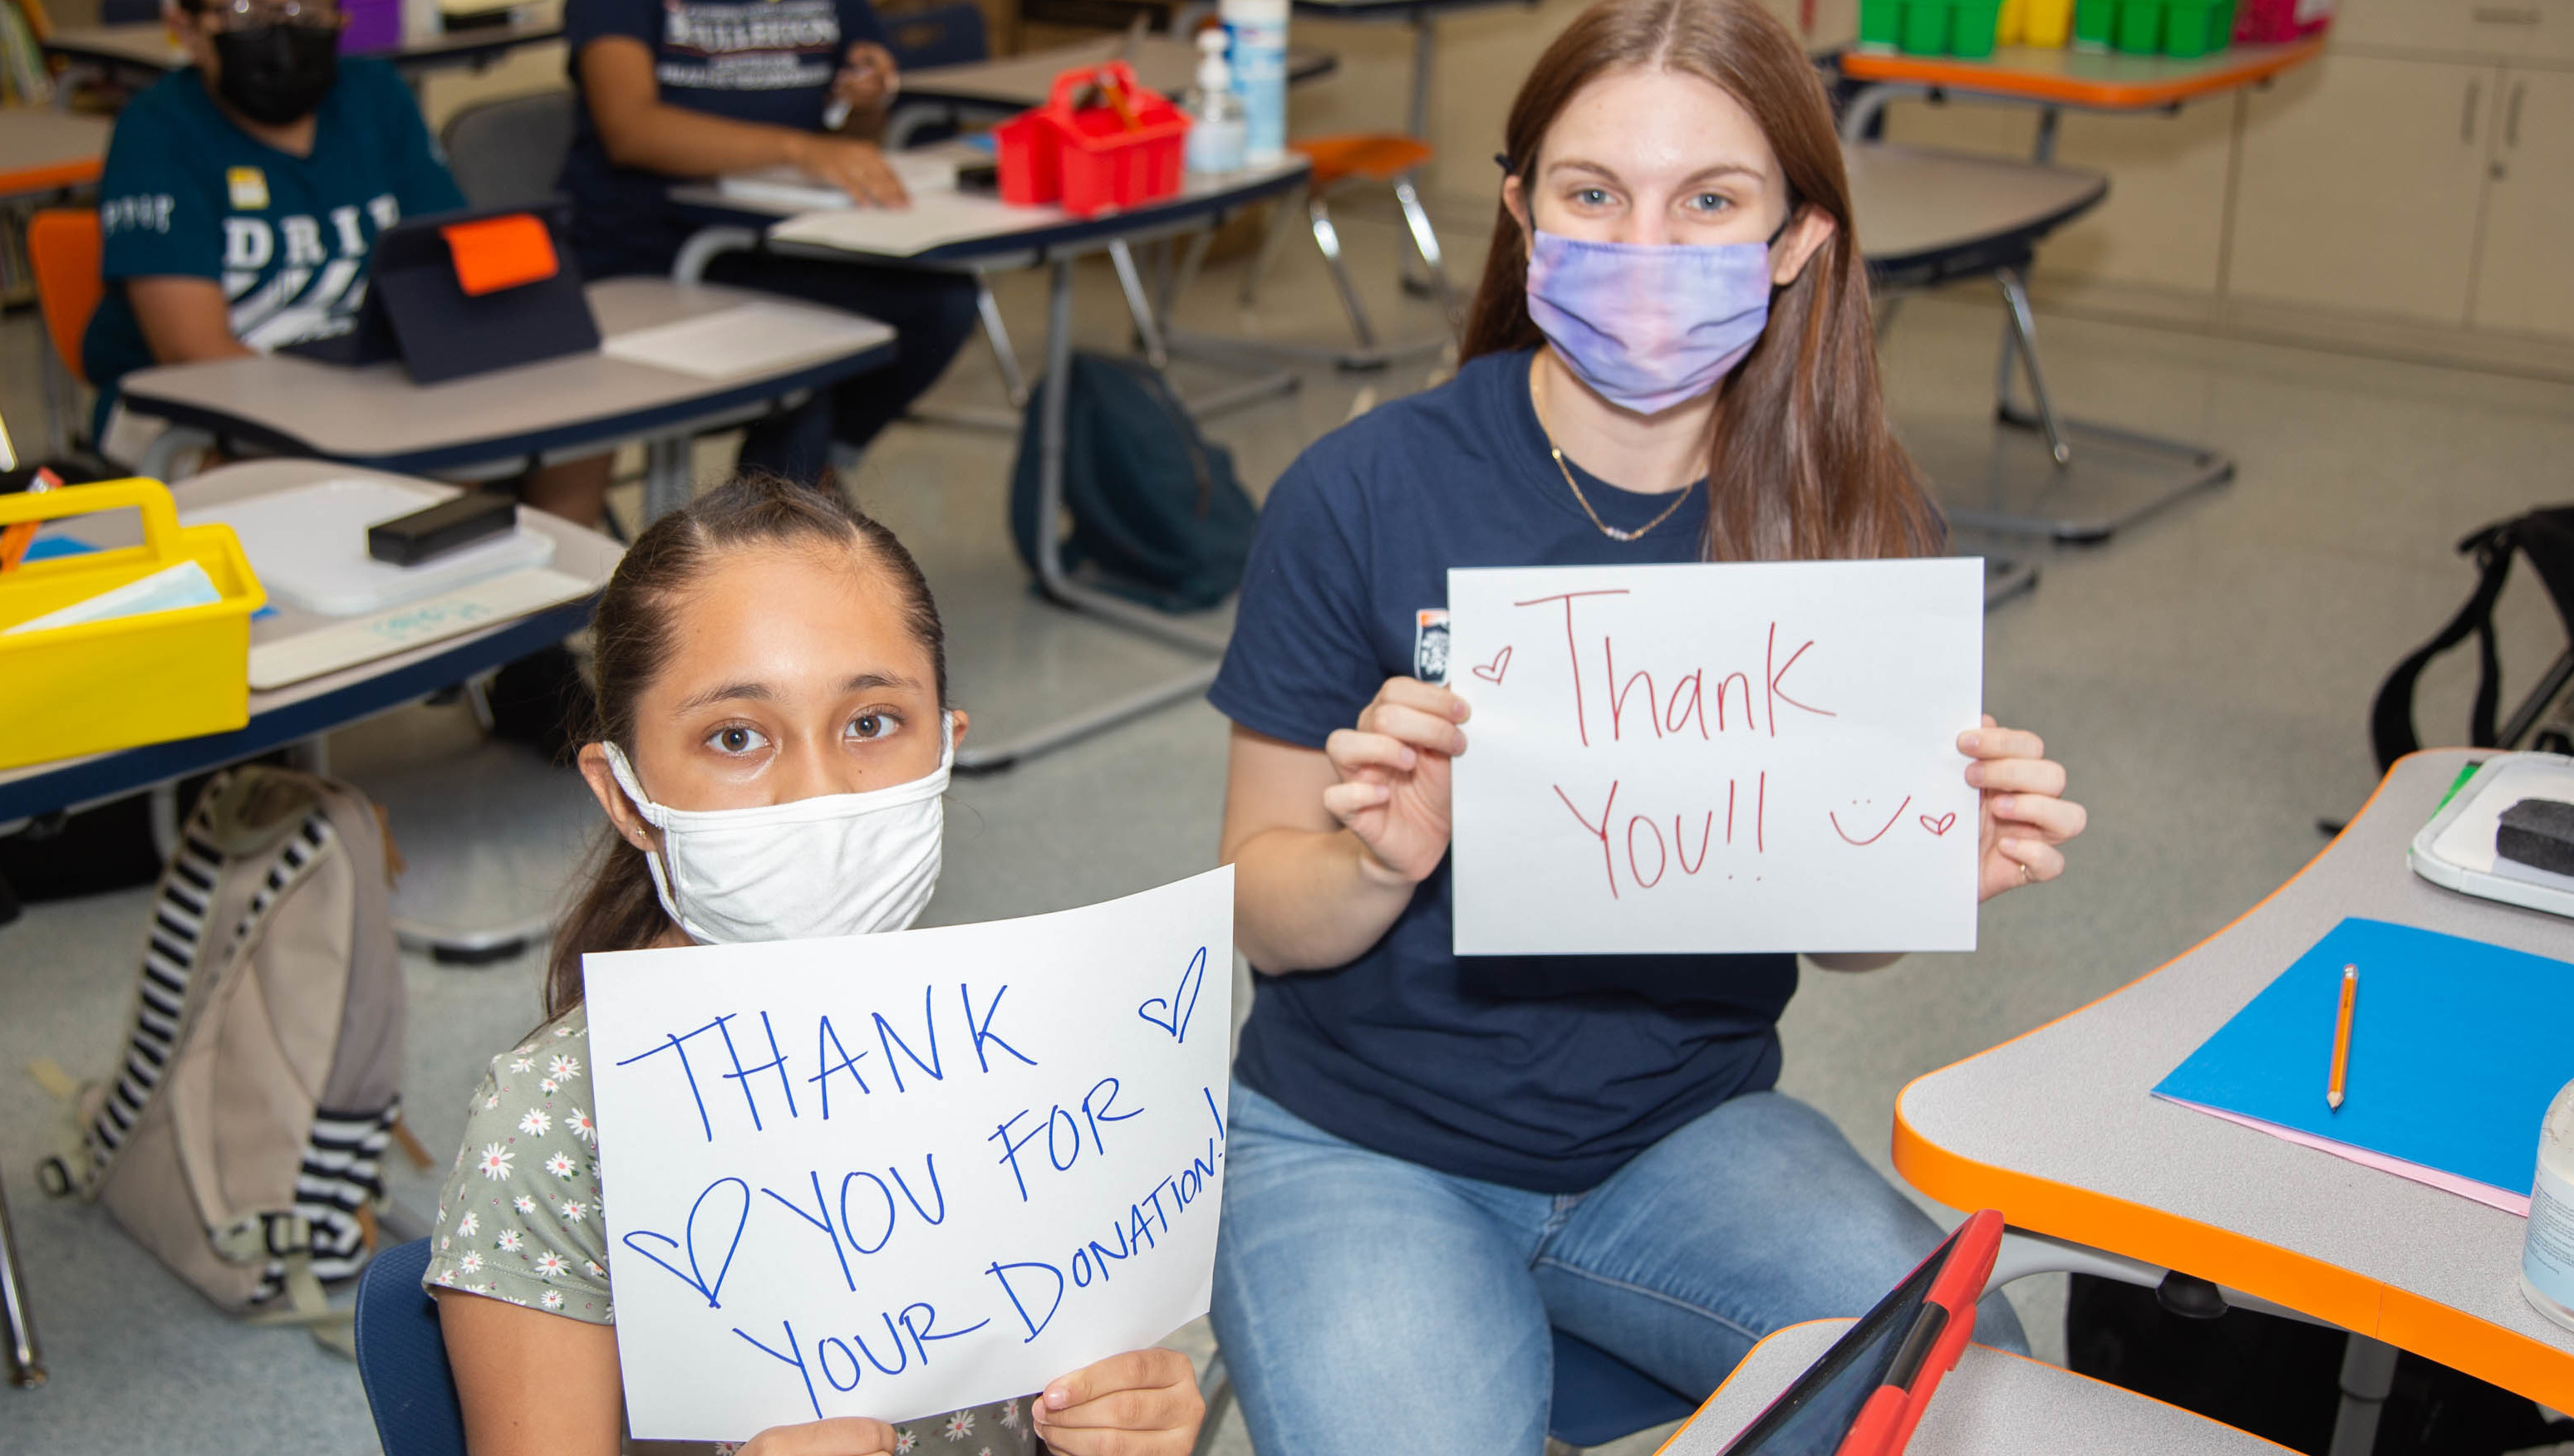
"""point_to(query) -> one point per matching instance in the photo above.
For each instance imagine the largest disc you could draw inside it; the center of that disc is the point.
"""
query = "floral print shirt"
(518, 1218)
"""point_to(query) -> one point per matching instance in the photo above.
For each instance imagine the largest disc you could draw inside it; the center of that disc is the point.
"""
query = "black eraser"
(475, 515)
(2538, 833)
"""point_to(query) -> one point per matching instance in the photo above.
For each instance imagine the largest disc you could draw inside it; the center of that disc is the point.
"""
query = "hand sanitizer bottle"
(1257, 30)
(2547, 1261)
(1216, 126)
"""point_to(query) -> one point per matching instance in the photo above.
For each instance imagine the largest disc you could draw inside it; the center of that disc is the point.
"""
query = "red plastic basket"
(2265, 21)
(1097, 157)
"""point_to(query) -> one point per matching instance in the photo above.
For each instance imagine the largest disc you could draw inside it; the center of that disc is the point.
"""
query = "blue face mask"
(1648, 325)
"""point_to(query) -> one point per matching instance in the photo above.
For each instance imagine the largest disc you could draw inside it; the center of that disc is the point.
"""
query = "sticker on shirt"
(1429, 644)
(248, 188)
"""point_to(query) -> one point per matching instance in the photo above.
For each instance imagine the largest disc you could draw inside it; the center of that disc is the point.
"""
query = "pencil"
(2341, 1039)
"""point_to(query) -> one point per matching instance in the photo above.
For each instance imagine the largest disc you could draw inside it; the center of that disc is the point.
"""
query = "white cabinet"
(2360, 182)
(2525, 278)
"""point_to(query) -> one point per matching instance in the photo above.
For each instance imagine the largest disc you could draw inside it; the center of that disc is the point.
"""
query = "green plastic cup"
(2185, 28)
(1926, 27)
(1881, 24)
(2140, 26)
(2096, 22)
(1974, 27)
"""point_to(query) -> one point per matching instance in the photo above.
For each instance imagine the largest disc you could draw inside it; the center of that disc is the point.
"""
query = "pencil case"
(101, 685)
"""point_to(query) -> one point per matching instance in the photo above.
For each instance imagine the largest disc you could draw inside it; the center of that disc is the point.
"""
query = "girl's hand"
(2024, 814)
(1394, 769)
(839, 1436)
(1141, 1403)
(857, 168)
(867, 79)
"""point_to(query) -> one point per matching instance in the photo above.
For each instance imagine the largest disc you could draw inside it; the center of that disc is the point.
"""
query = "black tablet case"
(416, 310)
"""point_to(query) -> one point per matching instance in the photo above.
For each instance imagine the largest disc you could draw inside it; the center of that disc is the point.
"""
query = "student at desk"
(1435, 1160)
(241, 197)
(675, 88)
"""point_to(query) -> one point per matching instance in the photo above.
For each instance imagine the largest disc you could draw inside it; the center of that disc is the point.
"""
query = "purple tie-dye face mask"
(1648, 325)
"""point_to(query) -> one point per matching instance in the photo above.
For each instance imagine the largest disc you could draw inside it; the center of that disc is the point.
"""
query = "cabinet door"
(2359, 185)
(2525, 283)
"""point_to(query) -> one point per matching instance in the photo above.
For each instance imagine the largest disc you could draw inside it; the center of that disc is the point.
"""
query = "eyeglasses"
(244, 14)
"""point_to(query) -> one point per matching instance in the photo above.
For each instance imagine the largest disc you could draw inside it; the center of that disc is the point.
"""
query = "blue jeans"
(1365, 1303)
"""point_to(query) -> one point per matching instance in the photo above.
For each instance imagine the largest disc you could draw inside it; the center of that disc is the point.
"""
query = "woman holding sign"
(1435, 1158)
(761, 647)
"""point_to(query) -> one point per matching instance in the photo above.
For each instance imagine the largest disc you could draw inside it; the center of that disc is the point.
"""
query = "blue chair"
(402, 1357)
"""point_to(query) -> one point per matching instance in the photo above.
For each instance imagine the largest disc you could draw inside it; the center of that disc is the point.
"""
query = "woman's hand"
(1394, 770)
(2024, 814)
(1141, 1403)
(857, 168)
(839, 1436)
(866, 80)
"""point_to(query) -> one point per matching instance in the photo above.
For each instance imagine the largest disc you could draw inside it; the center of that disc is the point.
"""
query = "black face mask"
(274, 74)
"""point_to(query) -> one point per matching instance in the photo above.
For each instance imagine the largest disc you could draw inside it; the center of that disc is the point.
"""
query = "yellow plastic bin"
(140, 679)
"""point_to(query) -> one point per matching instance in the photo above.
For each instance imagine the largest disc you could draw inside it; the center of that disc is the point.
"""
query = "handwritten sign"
(900, 1174)
(1706, 758)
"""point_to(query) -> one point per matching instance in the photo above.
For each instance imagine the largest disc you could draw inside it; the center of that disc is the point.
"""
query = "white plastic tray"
(308, 546)
(2456, 849)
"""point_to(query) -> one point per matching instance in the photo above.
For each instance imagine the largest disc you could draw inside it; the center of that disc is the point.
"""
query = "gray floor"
(2206, 679)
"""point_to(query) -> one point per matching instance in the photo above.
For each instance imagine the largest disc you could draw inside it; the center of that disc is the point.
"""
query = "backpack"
(2547, 537)
(243, 1136)
(1156, 508)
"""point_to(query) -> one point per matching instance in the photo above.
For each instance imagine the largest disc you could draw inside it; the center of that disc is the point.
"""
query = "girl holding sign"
(762, 646)
(1434, 1160)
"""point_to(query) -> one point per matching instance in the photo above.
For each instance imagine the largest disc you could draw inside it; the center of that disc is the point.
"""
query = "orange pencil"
(2341, 1038)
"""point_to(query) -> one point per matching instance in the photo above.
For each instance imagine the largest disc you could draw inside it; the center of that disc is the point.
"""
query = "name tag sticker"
(249, 187)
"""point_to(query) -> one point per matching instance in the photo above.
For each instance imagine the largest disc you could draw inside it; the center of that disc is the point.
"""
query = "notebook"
(2456, 1047)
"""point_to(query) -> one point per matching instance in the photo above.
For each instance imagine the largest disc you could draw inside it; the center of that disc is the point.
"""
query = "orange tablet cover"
(500, 252)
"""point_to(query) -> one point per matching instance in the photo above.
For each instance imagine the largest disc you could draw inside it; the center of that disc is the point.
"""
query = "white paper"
(1092, 1043)
(309, 546)
(166, 590)
(932, 220)
(747, 338)
(1715, 757)
(789, 187)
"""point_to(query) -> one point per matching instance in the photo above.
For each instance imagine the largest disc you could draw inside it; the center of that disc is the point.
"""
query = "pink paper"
(2482, 1193)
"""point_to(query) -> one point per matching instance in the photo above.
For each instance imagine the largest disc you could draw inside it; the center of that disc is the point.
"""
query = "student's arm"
(539, 1384)
(1328, 844)
(184, 319)
(639, 130)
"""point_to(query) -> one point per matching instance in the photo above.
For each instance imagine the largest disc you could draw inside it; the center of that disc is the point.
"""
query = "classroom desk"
(2058, 1129)
(492, 424)
(278, 718)
(1053, 239)
(145, 50)
(1992, 1404)
(2136, 475)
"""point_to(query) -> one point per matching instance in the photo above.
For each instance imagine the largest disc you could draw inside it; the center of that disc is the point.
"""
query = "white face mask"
(835, 864)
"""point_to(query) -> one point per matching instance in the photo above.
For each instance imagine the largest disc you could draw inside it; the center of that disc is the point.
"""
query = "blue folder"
(2456, 1047)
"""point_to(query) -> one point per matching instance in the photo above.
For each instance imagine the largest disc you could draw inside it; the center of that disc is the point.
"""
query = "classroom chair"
(1380, 157)
(509, 152)
(402, 1357)
(62, 253)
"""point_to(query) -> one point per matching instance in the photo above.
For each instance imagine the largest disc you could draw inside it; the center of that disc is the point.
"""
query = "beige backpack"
(242, 1138)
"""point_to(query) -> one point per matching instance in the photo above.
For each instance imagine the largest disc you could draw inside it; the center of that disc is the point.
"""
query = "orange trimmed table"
(1992, 1404)
(2059, 1132)
(2123, 475)
(44, 151)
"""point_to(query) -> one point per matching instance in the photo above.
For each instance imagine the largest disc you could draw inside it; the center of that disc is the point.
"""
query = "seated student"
(760, 647)
(677, 89)
(1434, 1160)
(242, 196)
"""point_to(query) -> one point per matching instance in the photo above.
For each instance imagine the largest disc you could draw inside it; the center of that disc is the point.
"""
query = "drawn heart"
(1492, 671)
(1941, 825)
(695, 1277)
(1175, 1017)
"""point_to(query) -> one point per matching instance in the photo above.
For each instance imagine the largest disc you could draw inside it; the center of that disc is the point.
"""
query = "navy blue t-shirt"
(1544, 1072)
(768, 60)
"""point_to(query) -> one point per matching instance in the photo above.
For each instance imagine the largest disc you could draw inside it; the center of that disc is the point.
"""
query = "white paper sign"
(900, 1174)
(1709, 758)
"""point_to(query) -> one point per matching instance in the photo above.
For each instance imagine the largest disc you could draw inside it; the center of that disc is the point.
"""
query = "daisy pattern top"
(518, 1218)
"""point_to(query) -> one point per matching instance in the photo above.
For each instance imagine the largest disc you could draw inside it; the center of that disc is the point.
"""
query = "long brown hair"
(1803, 464)
(616, 907)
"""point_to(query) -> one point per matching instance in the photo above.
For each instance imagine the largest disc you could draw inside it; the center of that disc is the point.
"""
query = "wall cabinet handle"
(2467, 114)
(2500, 15)
(2511, 115)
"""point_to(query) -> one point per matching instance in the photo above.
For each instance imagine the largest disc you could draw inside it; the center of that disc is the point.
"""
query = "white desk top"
(377, 413)
(1164, 63)
(578, 552)
(1908, 202)
(148, 43)
(2058, 1129)
(37, 143)
(1992, 1404)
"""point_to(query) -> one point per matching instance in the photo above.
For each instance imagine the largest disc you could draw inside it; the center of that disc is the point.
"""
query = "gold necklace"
(1611, 532)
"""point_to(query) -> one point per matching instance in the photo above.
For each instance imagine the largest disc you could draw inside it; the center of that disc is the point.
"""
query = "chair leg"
(997, 334)
(1260, 260)
(1425, 241)
(1328, 238)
